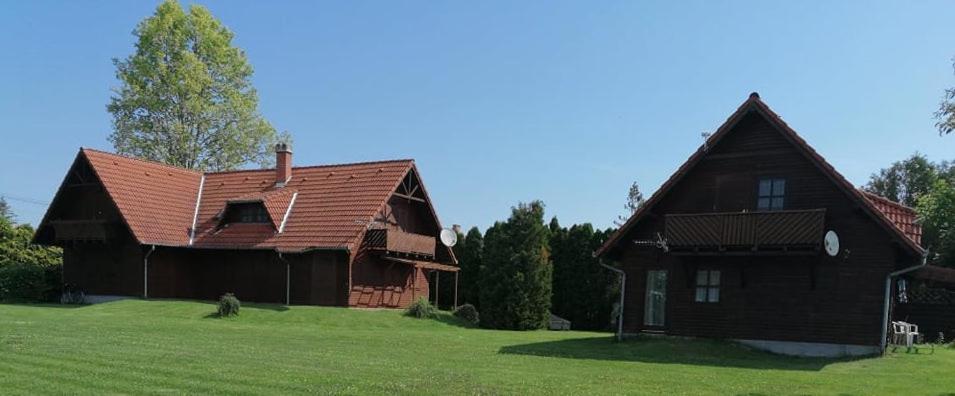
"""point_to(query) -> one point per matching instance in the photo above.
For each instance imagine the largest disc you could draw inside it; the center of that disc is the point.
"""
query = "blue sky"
(502, 102)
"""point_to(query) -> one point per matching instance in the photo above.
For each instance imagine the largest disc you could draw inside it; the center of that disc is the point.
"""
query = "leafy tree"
(634, 201)
(937, 213)
(5, 210)
(16, 247)
(904, 181)
(186, 97)
(584, 292)
(515, 281)
(945, 115)
(470, 259)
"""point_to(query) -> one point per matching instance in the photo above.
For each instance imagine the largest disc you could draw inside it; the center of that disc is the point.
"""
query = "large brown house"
(360, 235)
(732, 247)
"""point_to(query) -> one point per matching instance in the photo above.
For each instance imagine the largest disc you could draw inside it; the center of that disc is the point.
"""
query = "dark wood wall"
(813, 298)
(379, 283)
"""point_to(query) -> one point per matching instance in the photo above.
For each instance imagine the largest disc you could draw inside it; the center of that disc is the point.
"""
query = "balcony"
(397, 241)
(83, 230)
(746, 232)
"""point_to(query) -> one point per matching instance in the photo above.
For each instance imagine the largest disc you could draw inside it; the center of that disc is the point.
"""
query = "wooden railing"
(752, 230)
(83, 230)
(397, 241)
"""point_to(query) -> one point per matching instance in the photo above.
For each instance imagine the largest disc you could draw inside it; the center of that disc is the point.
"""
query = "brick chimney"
(283, 164)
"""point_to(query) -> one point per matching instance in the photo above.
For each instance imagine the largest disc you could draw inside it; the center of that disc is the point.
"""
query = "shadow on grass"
(451, 320)
(45, 305)
(670, 351)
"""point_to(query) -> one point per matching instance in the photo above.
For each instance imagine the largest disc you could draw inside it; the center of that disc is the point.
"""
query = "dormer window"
(772, 194)
(250, 212)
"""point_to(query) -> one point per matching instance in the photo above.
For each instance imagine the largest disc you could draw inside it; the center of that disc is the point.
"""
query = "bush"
(29, 282)
(468, 313)
(228, 305)
(421, 308)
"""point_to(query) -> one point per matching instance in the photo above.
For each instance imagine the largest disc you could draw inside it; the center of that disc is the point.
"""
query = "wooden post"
(455, 289)
(437, 283)
(414, 281)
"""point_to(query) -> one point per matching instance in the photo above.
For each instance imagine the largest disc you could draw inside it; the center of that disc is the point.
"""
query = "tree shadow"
(45, 305)
(671, 351)
(451, 320)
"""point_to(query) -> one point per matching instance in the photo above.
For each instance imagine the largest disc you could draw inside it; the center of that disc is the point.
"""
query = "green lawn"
(133, 347)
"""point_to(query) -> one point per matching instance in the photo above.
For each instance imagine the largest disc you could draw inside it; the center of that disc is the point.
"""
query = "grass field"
(133, 347)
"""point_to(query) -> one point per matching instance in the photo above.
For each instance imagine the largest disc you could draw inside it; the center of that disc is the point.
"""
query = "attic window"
(772, 194)
(250, 212)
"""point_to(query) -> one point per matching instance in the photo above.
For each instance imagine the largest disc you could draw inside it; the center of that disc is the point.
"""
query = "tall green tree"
(936, 211)
(5, 211)
(583, 291)
(634, 201)
(904, 181)
(470, 259)
(186, 96)
(515, 283)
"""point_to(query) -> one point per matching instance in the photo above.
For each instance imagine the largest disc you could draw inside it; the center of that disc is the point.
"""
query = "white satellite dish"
(448, 238)
(831, 243)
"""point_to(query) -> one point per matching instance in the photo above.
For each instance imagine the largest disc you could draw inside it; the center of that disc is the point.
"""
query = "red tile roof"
(332, 204)
(904, 217)
(754, 103)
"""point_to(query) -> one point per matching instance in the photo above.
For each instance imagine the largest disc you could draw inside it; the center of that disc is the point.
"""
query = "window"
(772, 194)
(708, 286)
(246, 213)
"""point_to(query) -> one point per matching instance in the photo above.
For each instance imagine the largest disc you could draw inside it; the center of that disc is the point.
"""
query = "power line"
(24, 200)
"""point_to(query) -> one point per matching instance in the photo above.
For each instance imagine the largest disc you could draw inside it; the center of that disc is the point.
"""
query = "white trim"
(195, 214)
(287, 212)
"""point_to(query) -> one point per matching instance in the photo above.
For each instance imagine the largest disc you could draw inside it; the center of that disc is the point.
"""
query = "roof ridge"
(151, 162)
(410, 160)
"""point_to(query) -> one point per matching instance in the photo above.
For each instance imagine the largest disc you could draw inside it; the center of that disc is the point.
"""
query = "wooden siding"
(789, 298)
(395, 240)
(379, 283)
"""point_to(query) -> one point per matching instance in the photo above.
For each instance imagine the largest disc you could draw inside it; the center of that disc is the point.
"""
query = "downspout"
(288, 277)
(888, 297)
(623, 288)
(146, 271)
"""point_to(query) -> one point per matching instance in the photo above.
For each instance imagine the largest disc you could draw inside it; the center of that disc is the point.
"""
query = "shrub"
(421, 308)
(468, 313)
(29, 282)
(228, 305)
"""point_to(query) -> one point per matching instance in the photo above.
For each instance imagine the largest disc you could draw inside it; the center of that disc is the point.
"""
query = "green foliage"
(937, 213)
(28, 282)
(468, 313)
(228, 305)
(584, 292)
(904, 181)
(515, 280)
(186, 96)
(421, 308)
(634, 201)
(470, 259)
(16, 247)
(5, 211)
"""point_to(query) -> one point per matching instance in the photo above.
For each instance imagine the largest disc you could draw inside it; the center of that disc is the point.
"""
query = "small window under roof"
(246, 212)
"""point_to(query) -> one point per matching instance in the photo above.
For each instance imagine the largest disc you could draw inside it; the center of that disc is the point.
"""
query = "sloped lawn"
(174, 347)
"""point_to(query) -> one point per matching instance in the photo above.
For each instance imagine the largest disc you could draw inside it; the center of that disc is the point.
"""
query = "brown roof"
(754, 103)
(904, 217)
(327, 207)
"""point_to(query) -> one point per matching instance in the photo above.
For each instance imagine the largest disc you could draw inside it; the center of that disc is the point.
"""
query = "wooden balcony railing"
(397, 241)
(83, 230)
(797, 229)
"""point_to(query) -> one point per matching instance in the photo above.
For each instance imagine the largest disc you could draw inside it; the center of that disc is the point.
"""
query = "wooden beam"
(408, 197)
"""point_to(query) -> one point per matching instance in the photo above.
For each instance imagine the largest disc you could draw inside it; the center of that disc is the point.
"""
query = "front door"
(655, 302)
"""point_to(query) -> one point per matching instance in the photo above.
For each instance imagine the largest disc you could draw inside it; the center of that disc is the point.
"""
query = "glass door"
(655, 302)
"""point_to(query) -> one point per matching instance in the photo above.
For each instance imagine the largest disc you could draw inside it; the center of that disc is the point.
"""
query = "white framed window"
(707, 286)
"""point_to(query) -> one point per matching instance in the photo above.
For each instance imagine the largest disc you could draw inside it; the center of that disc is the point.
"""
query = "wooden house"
(732, 247)
(358, 235)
